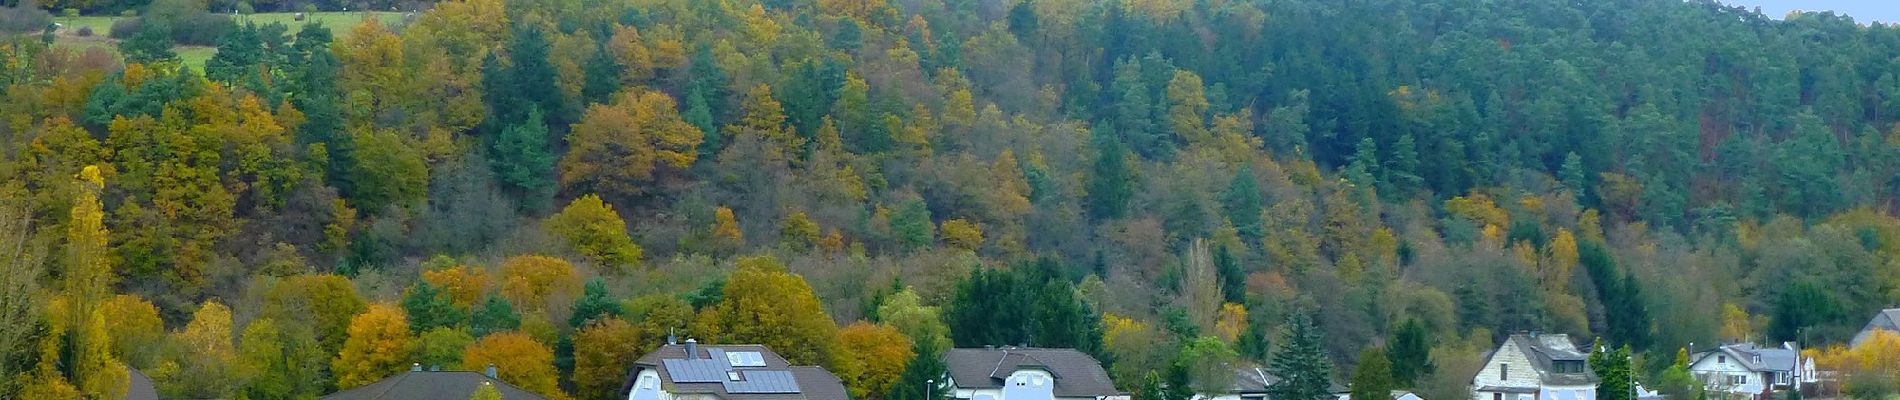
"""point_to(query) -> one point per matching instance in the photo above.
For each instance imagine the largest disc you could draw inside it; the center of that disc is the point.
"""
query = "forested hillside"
(1169, 185)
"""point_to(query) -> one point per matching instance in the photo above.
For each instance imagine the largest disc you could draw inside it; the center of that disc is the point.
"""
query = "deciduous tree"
(379, 346)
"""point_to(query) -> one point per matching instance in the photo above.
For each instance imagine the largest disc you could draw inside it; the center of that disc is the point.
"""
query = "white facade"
(1028, 384)
(1511, 375)
(1720, 372)
(647, 387)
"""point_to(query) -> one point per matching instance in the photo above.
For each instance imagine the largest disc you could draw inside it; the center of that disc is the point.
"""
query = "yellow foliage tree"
(617, 148)
(595, 230)
(379, 345)
(602, 351)
(519, 359)
(136, 330)
(764, 304)
(1737, 326)
(1561, 259)
(962, 234)
(798, 231)
(528, 281)
(205, 361)
(464, 284)
(1187, 108)
(875, 355)
(1231, 323)
(89, 280)
(726, 226)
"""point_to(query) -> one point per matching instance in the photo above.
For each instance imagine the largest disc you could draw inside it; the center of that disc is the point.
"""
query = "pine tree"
(1111, 185)
(429, 308)
(1410, 354)
(1242, 203)
(1301, 363)
(594, 303)
(603, 76)
(494, 315)
(924, 376)
(524, 160)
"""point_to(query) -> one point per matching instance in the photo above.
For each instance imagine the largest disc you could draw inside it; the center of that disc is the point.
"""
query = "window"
(1504, 372)
(1497, 396)
(734, 376)
(1721, 359)
(1738, 379)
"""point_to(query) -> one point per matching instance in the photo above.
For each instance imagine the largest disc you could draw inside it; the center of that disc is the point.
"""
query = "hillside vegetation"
(1173, 186)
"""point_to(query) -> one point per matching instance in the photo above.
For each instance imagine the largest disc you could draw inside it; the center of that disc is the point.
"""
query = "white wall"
(1714, 371)
(1521, 374)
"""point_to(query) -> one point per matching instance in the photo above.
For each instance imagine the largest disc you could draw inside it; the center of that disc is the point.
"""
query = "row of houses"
(1527, 366)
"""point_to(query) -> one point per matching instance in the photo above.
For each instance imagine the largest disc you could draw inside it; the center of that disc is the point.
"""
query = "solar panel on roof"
(745, 359)
(763, 382)
(697, 370)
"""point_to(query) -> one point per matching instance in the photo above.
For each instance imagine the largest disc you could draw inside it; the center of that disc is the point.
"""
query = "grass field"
(195, 56)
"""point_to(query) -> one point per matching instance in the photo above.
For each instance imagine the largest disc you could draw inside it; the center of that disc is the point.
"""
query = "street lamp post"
(929, 384)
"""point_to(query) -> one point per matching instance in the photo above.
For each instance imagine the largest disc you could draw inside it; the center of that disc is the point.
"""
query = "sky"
(1863, 11)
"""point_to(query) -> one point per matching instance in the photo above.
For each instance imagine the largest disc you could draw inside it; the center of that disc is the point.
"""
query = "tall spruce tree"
(1112, 183)
(1410, 354)
(1613, 371)
(1305, 372)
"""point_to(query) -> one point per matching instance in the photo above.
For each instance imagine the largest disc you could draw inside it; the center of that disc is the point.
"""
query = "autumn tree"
(325, 302)
(137, 332)
(442, 347)
(201, 361)
(764, 304)
(874, 355)
(89, 279)
(379, 346)
(520, 360)
(594, 230)
(617, 149)
(602, 351)
(529, 282)
(20, 304)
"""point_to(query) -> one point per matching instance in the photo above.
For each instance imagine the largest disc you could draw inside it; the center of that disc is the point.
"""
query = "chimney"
(415, 367)
(692, 348)
(670, 339)
(492, 373)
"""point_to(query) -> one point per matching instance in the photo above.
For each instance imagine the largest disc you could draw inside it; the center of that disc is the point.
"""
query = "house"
(1250, 383)
(1531, 366)
(727, 372)
(1021, 373)
(417, 384)
(1888, 320)
(1396, 395)
(1747, 371)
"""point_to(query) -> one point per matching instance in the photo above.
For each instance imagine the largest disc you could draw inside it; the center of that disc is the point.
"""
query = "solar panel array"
(764, 382)
(697, 370)
(745, 359)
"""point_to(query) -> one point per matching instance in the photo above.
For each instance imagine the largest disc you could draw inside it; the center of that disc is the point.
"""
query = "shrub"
(125, 28)
(129, 13)
(84, 31)
(70, 12)
(244, 7)
(24, 19)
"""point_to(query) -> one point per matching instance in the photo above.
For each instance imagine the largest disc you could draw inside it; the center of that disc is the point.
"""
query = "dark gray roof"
(142, 387)
(432, 385)
(1251, 379)
(1076, 374)
(1546, 349)
(1759, 359)
(707, 372)
(1888, 319)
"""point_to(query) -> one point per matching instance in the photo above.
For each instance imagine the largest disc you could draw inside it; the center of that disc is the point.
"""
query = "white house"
(1746, 371)
(1250, 383)
(727, 372)
(1017, 373)
(1531, 366)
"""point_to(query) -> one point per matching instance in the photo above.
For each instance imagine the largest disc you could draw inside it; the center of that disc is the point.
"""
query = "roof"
(762, 373)
(1547, 349)
(1888, 319)
(1076, 374)
(432, 385)
(142, 387)
(1252, 380)
(1759, 359)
